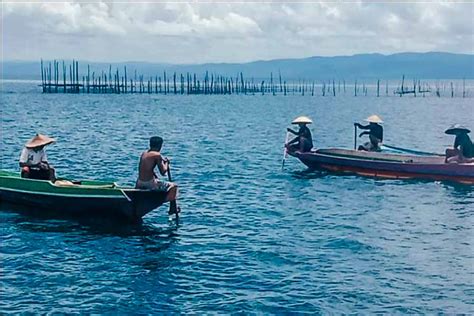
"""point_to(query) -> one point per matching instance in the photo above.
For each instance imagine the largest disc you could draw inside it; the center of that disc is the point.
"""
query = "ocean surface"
(252, 238)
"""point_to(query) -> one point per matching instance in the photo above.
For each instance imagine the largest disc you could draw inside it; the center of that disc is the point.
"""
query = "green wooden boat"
(79, 198)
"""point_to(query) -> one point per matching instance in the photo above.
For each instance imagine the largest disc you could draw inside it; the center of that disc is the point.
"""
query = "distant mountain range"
(431, 65)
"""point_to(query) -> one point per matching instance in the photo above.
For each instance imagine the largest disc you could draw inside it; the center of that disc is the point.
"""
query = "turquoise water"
(252, 238)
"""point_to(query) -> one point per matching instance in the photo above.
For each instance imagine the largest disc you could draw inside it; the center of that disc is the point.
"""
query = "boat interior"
(62, 182)
(379, 156)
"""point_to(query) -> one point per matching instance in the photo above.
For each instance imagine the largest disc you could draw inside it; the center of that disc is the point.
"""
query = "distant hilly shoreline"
(432, 65)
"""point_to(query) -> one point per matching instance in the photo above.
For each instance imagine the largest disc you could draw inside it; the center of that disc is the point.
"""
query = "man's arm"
(456, 142)
(24, 159)
(44, 158)
(364, 133)
(292, 131)
(162, 164)
(362, 126)
(294, 140)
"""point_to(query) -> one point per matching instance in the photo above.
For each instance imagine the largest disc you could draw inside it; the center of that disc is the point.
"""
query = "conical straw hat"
(302, 120)
(374, 119)
(457, 128)
(39, 140)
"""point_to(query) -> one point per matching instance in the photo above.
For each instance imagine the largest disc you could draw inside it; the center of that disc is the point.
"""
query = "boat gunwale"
(72, 195)
(109, 187)
(391, 162)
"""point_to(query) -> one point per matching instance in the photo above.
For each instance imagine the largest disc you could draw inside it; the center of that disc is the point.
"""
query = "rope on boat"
(125, 195)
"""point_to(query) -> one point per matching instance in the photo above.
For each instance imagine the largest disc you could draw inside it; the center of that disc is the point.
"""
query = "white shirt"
(31, 157)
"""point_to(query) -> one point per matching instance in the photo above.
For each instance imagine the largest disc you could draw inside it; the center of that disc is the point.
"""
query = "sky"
(230, 31)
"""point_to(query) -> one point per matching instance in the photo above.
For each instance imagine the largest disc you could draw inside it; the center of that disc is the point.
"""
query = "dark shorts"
(37, 174)
(307, 146)
(154, 184)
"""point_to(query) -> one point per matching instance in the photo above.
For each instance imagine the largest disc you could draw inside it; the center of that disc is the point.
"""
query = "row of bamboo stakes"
(55, 79)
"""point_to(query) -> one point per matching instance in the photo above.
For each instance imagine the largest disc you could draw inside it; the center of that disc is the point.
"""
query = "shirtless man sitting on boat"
(375, 132)
(147, 178)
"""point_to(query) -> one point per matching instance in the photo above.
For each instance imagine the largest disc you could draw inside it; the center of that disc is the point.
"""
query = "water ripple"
(253, 238)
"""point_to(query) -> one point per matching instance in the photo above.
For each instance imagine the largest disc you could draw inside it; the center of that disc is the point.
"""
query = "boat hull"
(387, 165)
(93, 200)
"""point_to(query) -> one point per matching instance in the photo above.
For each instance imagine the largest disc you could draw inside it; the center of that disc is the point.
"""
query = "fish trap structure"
(59, 77)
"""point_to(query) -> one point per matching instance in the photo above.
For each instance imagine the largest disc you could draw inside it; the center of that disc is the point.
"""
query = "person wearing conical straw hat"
(33, 160)
(463, 149)
(304, 140)
(375, 132)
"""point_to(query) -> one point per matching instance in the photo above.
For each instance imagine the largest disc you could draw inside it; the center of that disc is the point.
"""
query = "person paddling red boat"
(463, 149)
(375, 132)
(303, 141)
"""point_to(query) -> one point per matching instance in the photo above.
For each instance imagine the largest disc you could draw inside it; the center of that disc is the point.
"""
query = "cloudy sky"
(230, 31)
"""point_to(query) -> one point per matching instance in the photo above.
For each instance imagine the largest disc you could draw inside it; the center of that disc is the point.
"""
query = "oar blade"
(285, 150)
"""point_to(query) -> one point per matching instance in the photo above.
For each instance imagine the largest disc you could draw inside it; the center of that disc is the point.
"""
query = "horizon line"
(229, 62)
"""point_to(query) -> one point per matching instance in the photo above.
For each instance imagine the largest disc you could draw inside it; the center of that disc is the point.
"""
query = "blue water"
(252, 238)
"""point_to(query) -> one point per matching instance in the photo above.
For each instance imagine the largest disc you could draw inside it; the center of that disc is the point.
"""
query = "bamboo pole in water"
(64, 77)
(49, 78)
(463, 87)
(56, 75)
(125, 77)
(70, 77)
(174, 83)
(279, 75)
(42, 75)
(77, 76)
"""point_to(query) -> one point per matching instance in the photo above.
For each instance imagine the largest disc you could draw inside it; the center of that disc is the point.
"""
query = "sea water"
(252, 238)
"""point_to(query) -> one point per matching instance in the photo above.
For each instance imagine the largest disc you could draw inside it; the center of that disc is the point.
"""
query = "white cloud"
(230, 31)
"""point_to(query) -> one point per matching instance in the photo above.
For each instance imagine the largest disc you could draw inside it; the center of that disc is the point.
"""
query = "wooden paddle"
(169, 170)
(285, 151)
(355, 136)
(171, 180)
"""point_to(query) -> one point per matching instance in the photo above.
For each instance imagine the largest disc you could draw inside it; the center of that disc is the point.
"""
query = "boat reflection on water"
(309, 174)
(36, 220)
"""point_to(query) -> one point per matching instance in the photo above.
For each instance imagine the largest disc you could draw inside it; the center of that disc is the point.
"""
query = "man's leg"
(365, 147)
(454, 159)
(52, 174)
(293, 147)
(171, 197)
(451, 153)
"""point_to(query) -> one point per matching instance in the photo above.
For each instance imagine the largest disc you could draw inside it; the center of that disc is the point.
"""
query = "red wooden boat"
(392, 166)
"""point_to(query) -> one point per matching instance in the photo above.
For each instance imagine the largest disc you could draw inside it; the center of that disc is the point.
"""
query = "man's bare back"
(148, 161)
(147, 178)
